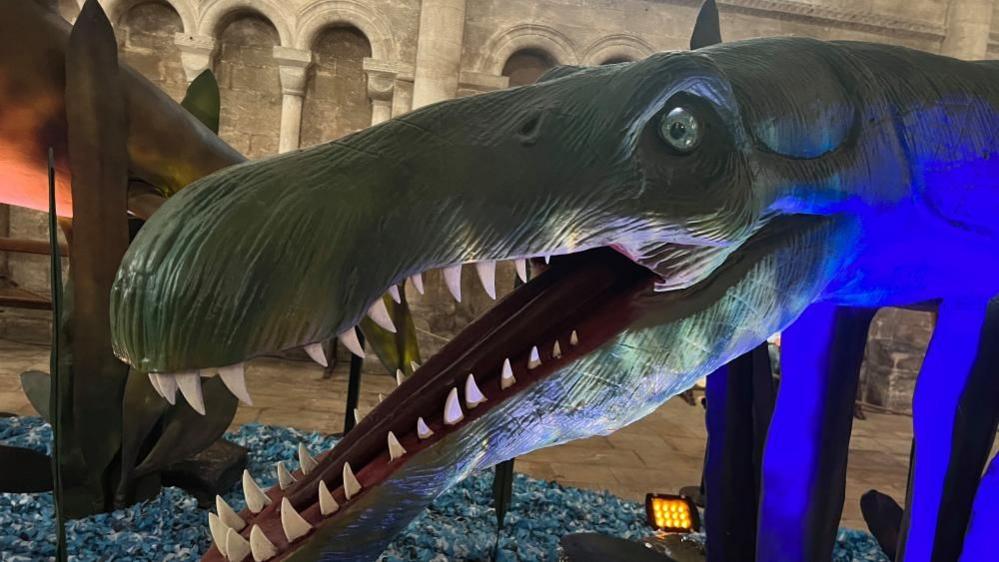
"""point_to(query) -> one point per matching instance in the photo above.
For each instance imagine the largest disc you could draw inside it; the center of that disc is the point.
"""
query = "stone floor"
(662, 452)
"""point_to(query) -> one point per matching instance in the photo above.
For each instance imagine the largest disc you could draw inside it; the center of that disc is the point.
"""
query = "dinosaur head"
(638, 177)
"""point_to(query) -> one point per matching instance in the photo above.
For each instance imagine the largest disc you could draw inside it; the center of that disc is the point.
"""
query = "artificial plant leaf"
(202, 100)
(398, 350)
(707, 29)
(186, 432)
(37, 386)
(96, 133)
(141, 410)
(24, 471)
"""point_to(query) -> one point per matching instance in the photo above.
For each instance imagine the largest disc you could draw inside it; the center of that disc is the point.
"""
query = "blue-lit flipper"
(739, 405)
(804, 461)
(954, 421)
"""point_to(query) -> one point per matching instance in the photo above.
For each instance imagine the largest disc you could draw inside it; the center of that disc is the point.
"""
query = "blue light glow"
(980, 542)
(791, 455)
(948, 363)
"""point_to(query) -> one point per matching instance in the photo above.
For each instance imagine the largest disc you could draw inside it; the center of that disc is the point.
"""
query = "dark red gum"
(592, 293)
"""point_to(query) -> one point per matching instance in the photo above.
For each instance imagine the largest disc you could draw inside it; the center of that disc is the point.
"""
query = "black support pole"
(353, 387)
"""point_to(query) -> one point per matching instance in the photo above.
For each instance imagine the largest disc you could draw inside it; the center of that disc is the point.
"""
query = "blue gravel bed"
(460, 525)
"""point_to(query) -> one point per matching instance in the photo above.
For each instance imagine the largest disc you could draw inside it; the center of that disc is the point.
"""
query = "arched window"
(526, 66)
(145, 39)
(336, 95)
(616, 60)
(249, 84)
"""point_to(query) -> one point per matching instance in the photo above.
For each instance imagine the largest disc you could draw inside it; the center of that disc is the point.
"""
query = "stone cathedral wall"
(295, 73)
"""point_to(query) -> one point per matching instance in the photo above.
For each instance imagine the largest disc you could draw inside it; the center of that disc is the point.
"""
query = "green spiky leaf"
(141, 410)
(37, 386)
(202, 100)
(398, 350)
(27, 471)
(186, 432)
(96, 131)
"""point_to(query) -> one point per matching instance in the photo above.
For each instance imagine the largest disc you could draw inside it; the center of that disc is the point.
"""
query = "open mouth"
(579, 303)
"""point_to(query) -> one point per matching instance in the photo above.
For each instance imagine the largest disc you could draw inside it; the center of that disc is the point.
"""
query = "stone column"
(968, 26)
(381, 88)
(196, 52)
(293, 64)
(438, 51)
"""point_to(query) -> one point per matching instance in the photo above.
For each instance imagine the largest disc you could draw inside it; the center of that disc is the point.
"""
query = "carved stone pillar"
(196, 52)
(968, 26)
(381, 89)
(293, 65)
(438, 51)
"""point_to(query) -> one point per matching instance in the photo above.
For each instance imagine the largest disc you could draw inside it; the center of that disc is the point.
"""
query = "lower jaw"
(582, 302)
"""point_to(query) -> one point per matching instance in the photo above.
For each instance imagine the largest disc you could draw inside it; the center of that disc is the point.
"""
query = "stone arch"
(116, 9)
(617, 47)
(249, 83)
(336, 99)
(527, 65)
(320, 16)
(501, 46)
(218, 13)
(145, 32)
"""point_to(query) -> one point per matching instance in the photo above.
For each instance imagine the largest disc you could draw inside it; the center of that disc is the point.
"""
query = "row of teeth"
(226, 525)
(233, 376)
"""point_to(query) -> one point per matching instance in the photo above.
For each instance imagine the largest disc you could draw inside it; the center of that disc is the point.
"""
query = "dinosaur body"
(710, 196)
(167, 147)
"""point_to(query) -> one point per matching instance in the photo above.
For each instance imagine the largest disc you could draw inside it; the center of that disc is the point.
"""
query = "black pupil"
(677, 130)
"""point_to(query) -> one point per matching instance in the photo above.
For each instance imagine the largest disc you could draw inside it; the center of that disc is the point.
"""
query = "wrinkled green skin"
(808, 146)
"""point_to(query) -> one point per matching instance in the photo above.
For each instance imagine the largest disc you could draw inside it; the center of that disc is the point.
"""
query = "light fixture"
(672, 513)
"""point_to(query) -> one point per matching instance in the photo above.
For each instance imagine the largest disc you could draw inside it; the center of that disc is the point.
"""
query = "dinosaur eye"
(680, 129)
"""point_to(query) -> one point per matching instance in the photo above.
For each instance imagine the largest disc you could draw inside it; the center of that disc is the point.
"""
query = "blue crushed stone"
(460, 525)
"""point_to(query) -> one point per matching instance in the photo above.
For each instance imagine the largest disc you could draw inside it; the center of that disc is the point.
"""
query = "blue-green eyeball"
(680, 129)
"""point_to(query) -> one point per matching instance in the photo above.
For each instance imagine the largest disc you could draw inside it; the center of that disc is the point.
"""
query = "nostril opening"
(529, 131)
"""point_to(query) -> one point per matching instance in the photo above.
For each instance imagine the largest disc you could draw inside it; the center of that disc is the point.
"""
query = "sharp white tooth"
(422, 429)
(156, 385)
(534, 360)
(228, 517)
(506, 377)
(357, 416)
(414, 365)
(380, 397)
(350, 484)
(380, 314)
(350, 341)
(521, 265)
(473, 396)
(168, 387)
(234, 378)
(548, 259)
(394, 292)
(256, 499)
(316, 353)
(285, 479)
(417, 280)
(236, 547)
(574, 338)
(327, 505)
(292, 523)
(306, 463)
(452, 278)
(399, 377)
(190, 386)
(218, 531)
(395, 448)
(260, 547)
(556, 350)
(452, 408)
(487, 274)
